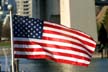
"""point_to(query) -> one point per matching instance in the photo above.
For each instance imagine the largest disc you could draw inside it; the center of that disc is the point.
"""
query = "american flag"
(38, 39)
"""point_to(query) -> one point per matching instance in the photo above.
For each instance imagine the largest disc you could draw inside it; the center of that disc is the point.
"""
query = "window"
(55, 18)
(26, 8)
(25, 1)
(26, 12)
(26, 5)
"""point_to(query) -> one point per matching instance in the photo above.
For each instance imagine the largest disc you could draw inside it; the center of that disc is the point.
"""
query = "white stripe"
(55, 50)
(90, 48)
(69, 33)
(67, 51)
(51, 42)
(61, 37)
(67, 38)
(62, 26)
(54, 56)
(47, 41)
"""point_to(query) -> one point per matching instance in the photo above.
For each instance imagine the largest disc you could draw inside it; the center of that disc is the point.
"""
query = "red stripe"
(66, 29)
(71, 55)
(66, 41)
(73, 37)
(52, 53)
(34, 56)
(52, 46)
(63, 40)
(33, 50)
(36, 43)
(30, 56)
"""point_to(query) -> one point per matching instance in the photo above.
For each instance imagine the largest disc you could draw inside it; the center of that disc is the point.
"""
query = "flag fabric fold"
(38, 39)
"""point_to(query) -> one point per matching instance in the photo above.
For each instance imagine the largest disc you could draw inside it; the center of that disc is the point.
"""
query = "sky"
(12, 2)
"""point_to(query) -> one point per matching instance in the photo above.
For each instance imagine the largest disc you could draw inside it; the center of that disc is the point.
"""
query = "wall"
(79, 14)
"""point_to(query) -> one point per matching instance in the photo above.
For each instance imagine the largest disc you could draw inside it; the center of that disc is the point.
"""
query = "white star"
(29, 26)
(16, 32)
(15, 18)
(34, 36)
(23, 21)
(34, 27)
(29, 31)
(23, 35)
(32, 20)
(37, 25)
(40, 27)
(26, 28)
(28, 35)
(35, 22)
(39, 36)
(15, 27)
(29, 22)
(26, 23)
(40, 22)
(26, 19)
(18, 20)
(15, 22)
(37, 29)
(34, 31)
(32, 24)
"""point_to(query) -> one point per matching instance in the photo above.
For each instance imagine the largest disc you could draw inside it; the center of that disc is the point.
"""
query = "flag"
(38, 39)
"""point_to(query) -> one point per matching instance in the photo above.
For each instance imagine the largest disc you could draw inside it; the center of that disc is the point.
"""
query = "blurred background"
(50, 10)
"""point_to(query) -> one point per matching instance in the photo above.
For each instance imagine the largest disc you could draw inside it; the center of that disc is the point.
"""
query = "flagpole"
(11, 31)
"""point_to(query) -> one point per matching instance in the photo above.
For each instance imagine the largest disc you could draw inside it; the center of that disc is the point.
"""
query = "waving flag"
(37, 39)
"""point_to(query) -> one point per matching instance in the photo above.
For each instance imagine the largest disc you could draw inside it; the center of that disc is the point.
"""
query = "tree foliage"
(103, 30)
(105, 21)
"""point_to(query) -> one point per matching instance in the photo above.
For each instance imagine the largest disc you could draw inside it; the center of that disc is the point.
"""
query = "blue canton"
(25, 27)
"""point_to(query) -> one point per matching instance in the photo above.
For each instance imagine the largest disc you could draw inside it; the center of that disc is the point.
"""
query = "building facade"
(24, 7)
(44, 9)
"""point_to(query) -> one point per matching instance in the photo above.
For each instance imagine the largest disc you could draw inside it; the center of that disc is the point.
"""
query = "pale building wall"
(79, 14)
(24, 7)
(65, 13)
(53, 10)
